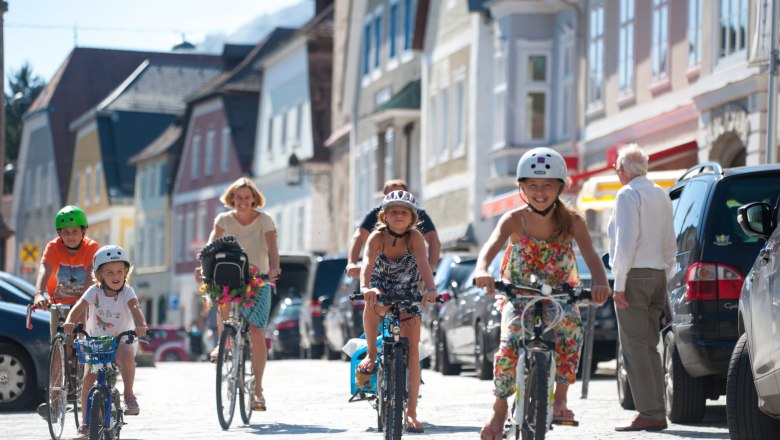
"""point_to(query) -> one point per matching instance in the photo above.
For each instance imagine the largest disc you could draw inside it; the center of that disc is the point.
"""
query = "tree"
(24, 87)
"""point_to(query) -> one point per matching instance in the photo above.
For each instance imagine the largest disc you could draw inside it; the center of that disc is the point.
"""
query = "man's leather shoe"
(644, 424)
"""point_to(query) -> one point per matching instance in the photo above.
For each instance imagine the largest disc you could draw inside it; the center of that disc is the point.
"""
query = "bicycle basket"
(98, 350)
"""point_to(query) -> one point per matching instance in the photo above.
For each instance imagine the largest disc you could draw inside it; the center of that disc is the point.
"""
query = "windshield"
(329, 274)
(724, 229)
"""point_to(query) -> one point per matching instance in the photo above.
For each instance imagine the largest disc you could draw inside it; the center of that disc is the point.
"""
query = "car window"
(724, 230)
(584, 271)
(9, 293)
(492, 270)
(328, 275)
(687, 214)
(295, 276)
(289, 311)
(461, 271)
(443, 270)
(20, 283)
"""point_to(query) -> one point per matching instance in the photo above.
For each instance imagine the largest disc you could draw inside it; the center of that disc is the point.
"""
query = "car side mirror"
(325, 302)
(605, 260)
(756, 219)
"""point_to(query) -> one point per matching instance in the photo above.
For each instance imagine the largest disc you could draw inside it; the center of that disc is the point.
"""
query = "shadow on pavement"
(283, 428)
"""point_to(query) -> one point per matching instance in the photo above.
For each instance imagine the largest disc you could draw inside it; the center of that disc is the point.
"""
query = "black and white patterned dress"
(396, 277)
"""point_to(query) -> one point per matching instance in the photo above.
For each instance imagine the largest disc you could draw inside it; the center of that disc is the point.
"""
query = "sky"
(43, 32)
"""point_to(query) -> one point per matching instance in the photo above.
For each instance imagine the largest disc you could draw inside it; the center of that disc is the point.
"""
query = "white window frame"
(734, 18)
(98, 181)
(410, 17)
(195, 157)
(500, 57)
(595, 86)
(566, 66)
(389, 159)
(367, 49)
(444, 123)
(626, 26)
(659, 40)
(460, 105)
(189, 232)
(208, 160)
(393, 26)
(87, 185)
(76, 187)
(378, 38)
(224, 159)
(433, 127)
(694, 33)
(526, 86)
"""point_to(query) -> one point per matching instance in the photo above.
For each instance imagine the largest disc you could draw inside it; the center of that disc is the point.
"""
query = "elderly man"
(642, 251)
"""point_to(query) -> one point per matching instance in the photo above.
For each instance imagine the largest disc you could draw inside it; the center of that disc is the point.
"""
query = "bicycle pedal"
(566, 422)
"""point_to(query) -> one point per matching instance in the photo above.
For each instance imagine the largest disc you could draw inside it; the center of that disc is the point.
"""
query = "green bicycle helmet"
(69, 217)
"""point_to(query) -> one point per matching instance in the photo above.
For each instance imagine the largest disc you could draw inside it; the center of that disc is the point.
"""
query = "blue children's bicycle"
(104, 413)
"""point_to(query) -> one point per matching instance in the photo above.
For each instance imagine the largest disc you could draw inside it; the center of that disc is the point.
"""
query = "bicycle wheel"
(227, 374)
(536, 396)
(117, 416)
(246, 384)
(76, 384)
(97, 408)
(381, 398)
(396, 388)
(57, 388)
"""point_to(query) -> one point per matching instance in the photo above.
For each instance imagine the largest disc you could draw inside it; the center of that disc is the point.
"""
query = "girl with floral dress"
(540, 234)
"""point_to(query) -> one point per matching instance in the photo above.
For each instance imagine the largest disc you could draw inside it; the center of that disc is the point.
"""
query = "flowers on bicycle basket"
(244, 296)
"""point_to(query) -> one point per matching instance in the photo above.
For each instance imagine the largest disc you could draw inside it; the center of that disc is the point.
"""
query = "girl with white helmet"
(113, 308)
(540, 235)
(395, 261)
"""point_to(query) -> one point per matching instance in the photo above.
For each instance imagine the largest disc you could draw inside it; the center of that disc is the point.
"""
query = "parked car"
(314, 279)
(343, 319)
(24, 354)
(752, 395)
(451, 273)
(605, 333)
(168, 343)
(283, 329)
(714, 255)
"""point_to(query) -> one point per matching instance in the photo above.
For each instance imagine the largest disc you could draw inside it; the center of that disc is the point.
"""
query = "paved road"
(308, 400)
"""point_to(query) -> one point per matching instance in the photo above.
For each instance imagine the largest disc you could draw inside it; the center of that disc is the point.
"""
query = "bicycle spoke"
(227, 375)
(57, 388)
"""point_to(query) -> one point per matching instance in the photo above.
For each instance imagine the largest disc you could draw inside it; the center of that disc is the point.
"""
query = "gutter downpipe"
(771, 135)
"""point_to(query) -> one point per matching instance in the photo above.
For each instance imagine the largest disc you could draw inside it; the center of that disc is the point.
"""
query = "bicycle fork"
(520, 390)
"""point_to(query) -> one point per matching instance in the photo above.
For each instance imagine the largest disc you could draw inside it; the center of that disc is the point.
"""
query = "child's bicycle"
(63, 391)
(390, 387)
(234, 369)
(531, 415)
(104, 412)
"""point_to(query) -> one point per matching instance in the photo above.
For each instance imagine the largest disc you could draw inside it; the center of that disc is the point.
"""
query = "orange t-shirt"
(71, 275)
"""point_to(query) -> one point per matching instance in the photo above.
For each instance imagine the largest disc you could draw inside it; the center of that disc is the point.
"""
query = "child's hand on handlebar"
(429, 297)
(68, 327)
(140, 330)
(370, 296)
(484, 280)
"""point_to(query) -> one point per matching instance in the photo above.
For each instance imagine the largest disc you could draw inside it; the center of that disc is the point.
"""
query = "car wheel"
(447, 367)
(625, 398)
(170, 357)
(19, 384)
(745, 419)
(684, 395)
(332, 354)
(316, 351)
(483, 367)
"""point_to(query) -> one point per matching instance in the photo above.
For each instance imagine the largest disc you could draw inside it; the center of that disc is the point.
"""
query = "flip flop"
(415, 430)
(560, 419)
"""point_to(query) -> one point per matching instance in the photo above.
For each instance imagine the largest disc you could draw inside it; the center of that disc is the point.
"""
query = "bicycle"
(65, 375)
(392, 361)
(234, 369)
(531, 415)
(104, 412)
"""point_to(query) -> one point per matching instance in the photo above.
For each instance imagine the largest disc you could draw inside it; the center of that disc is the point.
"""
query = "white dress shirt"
(641, 231)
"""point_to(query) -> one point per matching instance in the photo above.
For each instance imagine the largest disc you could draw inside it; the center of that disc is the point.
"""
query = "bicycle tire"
(246, 381)
(57, 388)
(226, 378)
(396, 389)
(534, 425)
(97, 408)
(117, 416)
(76, 383)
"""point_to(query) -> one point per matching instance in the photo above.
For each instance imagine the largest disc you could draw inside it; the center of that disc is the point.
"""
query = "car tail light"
(316, 310)
(445, 296)
(709, 281)
(286, 325)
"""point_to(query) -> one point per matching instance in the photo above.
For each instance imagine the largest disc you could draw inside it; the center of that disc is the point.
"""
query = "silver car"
(753, 386)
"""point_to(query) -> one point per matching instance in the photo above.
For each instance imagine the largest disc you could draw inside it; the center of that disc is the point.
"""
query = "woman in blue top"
(395, 260)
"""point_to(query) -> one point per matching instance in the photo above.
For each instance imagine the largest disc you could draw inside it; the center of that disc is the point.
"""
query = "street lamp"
(294, 173)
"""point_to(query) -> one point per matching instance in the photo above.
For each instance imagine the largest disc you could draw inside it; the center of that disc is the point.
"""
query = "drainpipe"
(575, 8)
(771, 125)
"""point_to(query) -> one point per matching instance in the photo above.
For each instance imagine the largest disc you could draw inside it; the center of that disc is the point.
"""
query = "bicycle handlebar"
(388, 299)
(129, 334)
(575, 294)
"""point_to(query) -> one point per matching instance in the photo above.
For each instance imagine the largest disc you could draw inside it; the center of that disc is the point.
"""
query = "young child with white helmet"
(540, 235)
(112, 308)
(394, 262)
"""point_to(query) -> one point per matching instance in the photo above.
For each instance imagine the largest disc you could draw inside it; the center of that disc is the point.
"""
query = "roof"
(406, 98)
(162, 144)
(85, 77)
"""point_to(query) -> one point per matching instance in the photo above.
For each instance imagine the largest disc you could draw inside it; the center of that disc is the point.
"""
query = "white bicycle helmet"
(110, 253)
(542, 163)
(399, 197)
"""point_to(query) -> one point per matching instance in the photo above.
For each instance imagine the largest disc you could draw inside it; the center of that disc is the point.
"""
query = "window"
(141, 243)
(389, 154)
(596, 56)
(410, 12)
(76, 188)
(283, 134)
(367, 48)
(433, 130)
(189, 234)
(208, 160)
(377, 40)
(733, 26)
(392, 31)
(200, 228)
(499, 93)
(298, 124)
(694, 32)
(195, 155)
(98, 181)
(52, 186)
(270, 135)
(160, 256)
(459, 131)
(536, 108)
(224, 157)
(566, 67)
(444, 123)
(660, 39)
(537, 90)
(179, 236)
(626, 49)
(87, 185)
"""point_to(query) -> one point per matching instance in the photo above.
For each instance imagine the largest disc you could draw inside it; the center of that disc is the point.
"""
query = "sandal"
(258, 403)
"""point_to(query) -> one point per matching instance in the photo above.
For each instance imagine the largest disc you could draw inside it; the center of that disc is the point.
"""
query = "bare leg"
(89, 380)
(259, 356)
(371, 319)
(125, 360)
(411, 330)
(560, 408)
(494, 429)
